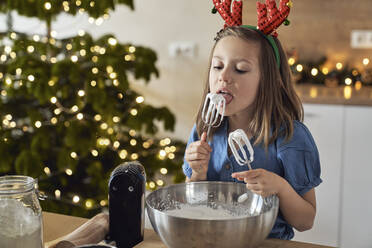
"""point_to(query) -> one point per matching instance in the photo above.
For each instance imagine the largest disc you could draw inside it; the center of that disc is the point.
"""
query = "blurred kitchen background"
(329, 45)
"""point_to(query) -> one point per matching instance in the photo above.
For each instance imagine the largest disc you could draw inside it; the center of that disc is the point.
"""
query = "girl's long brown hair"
(277, 104)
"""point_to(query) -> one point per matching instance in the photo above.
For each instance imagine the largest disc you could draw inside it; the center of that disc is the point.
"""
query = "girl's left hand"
(260, 181)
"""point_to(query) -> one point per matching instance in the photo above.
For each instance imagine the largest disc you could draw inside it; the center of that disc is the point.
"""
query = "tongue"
(227, 97)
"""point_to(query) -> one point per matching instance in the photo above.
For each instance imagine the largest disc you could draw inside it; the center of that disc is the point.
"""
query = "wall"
(321, 27)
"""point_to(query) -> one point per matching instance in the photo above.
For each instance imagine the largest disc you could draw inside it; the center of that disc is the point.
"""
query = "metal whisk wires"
(240, 139)
(213, 110)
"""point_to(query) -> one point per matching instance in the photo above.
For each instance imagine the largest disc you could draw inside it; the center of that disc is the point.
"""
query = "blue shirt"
(296, 160)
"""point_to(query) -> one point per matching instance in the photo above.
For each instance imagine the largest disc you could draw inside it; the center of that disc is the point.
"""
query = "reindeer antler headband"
(269, 18)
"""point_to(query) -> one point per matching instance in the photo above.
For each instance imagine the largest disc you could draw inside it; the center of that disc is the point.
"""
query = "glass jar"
(20, 213)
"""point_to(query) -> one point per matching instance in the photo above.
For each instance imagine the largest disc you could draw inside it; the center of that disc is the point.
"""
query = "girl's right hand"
(197, 155)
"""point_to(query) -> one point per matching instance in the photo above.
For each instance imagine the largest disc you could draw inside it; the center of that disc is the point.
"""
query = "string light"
(171, 156)
(13, 55)
(47, 5)
(73, 155)
(115, 82)
(120, 96)
(43, 57)
(140, 99)
(325, 70)
(146, 145)
(103, 203)
(74, 58)
(13, 35)
(95, 59)
(132, 49)
(133, 142)
(160, 182)
(116, 119)
(68, 172)
(94, 70)
(132, 132)
(18, 71)
(133, 112)
(365, 61)
(123, 154)
(97, 117)
(81, 32)
(8, 81)
(81, 93)
(68, 46)
(110, 130)
(30, 49)
(163, 171)
(75, 108)
(78, 2)
(162, 154)
(112, 41)
(113, 75)
(104, 126)
(134, 156)
(57, 111)
(38, 124)
(91, 4)
(348, 81)
(47, 171)
(93, 83)
(102, 50)
(358, 85)
(57, 193)
(36, 38)
(3, 58)
(299, 67)
(53, 60)
(91, 20)
(31, 78)
(80, 116)
(53, 33)
(99, 21)
(53, 99)
(339, 66)
(89, 203)
(291, 61)
(116, 144)
(314, 72)
(54, 120)
(83, 52)
(152, 185)
(94, 153)
(173, 149)
(76, 199)
(1, 75)
(7, 49)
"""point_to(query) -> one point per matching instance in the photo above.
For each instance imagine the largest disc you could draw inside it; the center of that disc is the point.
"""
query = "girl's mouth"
(227, 95)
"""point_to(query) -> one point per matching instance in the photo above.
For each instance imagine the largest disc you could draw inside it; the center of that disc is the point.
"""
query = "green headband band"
(270, 39)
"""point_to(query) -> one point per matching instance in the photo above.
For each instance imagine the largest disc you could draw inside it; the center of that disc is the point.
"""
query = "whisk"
(213, 110)
(240, 139)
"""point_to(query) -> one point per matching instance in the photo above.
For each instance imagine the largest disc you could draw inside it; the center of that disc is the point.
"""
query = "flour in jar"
(202, 212)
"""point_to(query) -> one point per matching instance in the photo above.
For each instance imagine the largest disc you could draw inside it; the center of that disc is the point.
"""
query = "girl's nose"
(225, 76)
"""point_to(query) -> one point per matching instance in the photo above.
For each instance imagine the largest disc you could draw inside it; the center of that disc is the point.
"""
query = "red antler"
(232, 17)
(270, 18)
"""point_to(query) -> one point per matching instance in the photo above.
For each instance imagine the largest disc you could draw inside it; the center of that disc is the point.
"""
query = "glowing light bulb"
(299, 68)
(47, 171)
(81, 93)
(30, 49)
(76, 199)
(94, 153)
(348, 81)
(339, 66)
(73, 155)
(53, 99)
(133, 112)
(31, 78)
(365, 61)
(68, 172)
(132, 49)
(140, 99)
(314, 71)
(57, 193)
(47, 5)
(134, 156)
(163, 171)
(116, 119)
(291, 61)
(123, 154)
(80, 116)
(38, 124)
(74, 58)
(112, 41)
(75, 108)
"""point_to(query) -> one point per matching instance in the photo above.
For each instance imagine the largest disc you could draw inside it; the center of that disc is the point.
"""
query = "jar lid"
(16, 184)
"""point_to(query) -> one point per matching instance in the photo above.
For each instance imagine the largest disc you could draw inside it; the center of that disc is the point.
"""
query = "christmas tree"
(68, 113)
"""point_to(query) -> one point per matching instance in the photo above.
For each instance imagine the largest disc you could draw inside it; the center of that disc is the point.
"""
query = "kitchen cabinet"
(344, 206)
(325, 124)
(356, 217)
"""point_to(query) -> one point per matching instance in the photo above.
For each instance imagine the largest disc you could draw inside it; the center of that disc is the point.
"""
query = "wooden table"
(57, 225)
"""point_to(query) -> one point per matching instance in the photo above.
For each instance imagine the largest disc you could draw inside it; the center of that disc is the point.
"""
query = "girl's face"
(235, 73)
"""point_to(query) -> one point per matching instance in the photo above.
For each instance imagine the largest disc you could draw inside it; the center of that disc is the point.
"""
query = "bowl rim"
(204, 182)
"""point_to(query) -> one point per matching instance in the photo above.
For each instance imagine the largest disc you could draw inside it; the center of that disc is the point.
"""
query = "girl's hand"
(197, 155)
(261, 181)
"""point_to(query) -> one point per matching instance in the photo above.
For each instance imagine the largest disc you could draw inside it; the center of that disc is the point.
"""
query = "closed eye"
(218, 67)
(240, 71)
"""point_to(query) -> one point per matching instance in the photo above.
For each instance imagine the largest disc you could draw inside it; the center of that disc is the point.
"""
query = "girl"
(261, 100)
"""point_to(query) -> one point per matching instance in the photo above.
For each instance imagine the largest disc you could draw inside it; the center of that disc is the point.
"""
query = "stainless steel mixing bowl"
(248, 226)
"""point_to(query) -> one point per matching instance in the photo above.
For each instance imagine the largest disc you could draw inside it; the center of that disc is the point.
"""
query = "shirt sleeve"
(193, 137)
(300, 160)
